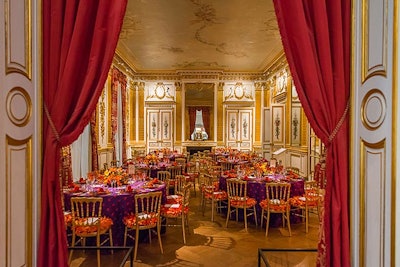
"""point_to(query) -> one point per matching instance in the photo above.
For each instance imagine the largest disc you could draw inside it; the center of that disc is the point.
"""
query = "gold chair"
(145, 170)
(164, 176)
(179, 210)
(88, 222)
(146, 217)
(212, 193)
(192, 172)
(277, 201)
(177, 196)
(226, 165)
(238, 199)
(308, 203)
(182, 163)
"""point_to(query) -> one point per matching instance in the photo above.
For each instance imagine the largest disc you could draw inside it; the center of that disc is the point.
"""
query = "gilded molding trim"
(19, 146)
(380, 68)
(395, 109)
(12, 42)
(365, 149)
(102, 114)
(373, 109)
(19, 106)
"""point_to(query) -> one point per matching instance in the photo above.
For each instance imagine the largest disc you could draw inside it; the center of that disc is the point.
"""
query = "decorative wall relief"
(239, 92)
(166, 128)
(245, 124)
(154, 127)
(160, 92)
(233, 127)
(296, 125)
(278, 124)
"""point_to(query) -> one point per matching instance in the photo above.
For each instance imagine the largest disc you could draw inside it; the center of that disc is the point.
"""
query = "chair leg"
(136, 243)
(245, 218)
(159, 237)
(255, 215)
(288, 221)
(267, 225)
(212, 209)
(228, 215)
(98, 249)
(111, 240)
(125, 235)
(262, 217)
(183, 229)
(72, 245)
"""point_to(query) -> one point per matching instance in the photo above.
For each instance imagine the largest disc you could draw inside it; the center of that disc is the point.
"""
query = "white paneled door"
(239, 128)
(160, 129)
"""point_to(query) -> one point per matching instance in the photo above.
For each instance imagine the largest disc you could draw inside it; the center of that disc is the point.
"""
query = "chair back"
(277, 191)
(226, 165)
(293, 170)
(180, 182)
(174, 171)
(186, 195)
(163, 176)
(180, 161)
(147, 209)
(191, 167)
(86, 211)
(236, 189)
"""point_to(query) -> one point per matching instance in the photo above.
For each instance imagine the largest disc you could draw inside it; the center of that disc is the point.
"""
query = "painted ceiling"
(218, 35)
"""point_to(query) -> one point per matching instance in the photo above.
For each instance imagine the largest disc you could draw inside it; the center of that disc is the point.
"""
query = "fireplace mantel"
(194, 146)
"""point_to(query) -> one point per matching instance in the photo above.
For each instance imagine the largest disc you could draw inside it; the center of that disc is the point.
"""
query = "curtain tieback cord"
(53, 127)
(339, 124)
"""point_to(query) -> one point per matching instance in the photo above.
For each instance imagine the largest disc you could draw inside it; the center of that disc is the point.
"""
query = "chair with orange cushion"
(193, 174)
(174, 171)
(238, 199)
(177, 196)
(179, 211)
(145, 217)
(276, 201)
(165, 176)
(226, 165)
(309, 202)
(87, 221)
(212, 194)
(182, 163)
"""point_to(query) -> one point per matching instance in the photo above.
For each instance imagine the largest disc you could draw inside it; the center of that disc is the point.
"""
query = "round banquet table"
(256, 189)
(117, 204)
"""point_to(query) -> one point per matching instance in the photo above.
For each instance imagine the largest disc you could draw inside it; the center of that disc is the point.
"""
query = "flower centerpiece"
(114, 175)
(151, 159)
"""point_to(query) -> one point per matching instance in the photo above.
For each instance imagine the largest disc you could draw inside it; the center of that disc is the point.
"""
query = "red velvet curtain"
(79, 40)
(118, 78)
(316, 40)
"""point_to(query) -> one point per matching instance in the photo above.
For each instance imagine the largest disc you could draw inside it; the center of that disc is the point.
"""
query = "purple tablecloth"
(256, 189)
(116, 206)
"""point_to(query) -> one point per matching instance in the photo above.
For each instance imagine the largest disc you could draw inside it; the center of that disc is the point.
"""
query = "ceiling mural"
(235, 35)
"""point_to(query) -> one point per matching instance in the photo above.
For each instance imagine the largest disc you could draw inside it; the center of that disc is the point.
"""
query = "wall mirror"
(199, 96)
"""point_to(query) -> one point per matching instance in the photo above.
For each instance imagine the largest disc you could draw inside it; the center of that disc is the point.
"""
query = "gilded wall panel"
(141, 114)
(179, 115)
(19, 201)
(372, 193)
(109, 99)
(18, 41)
(220, 116)
(132, 118)
(258, 125)
(374, 39)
